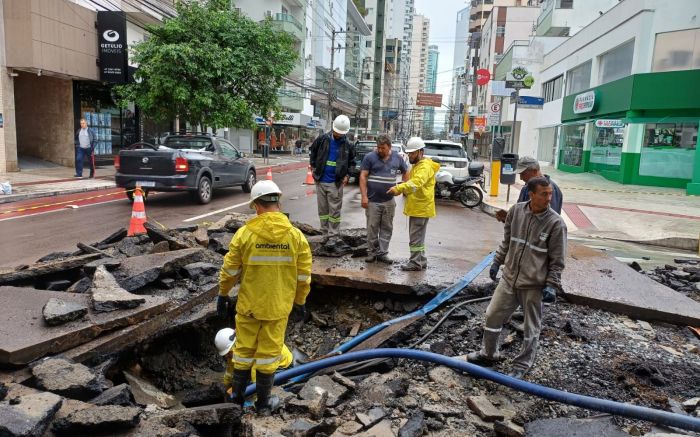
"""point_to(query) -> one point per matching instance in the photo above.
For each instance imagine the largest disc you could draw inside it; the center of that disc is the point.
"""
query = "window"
(668, 150)
(578, 79)
(565, 4)
(677, 50)
(607, 145)
(616, 64)
(500, 30)
(572, 137)
(551, 90)
(368, 44)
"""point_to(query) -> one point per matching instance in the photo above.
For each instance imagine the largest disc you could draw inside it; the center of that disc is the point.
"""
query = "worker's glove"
(493, 271)
(222, 306)
(298, 313)
(549, 294)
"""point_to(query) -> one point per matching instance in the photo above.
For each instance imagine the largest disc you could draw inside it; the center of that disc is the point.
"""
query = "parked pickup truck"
(197, 163)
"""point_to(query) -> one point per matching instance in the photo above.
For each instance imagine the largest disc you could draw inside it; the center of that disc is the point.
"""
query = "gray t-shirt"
(84, 138)
(382, 175)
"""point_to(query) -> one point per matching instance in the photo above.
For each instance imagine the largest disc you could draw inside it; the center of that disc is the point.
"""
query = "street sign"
(516, 84)
(429, 99)
(498, 89)
(483, 76)
(494, 114)
(495, 107)
(531, 102)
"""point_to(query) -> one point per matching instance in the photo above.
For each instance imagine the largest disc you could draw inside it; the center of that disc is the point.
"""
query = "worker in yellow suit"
(272, 261)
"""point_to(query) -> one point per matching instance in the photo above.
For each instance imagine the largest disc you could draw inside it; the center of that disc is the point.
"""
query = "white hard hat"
(341, 124)
(224, 340)
(264, 188)
(413, 144)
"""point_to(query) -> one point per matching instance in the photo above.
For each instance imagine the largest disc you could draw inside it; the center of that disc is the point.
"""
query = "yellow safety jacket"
(419, 189)
(272, 260)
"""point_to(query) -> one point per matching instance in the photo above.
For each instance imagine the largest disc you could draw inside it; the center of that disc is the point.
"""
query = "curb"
(275, 168)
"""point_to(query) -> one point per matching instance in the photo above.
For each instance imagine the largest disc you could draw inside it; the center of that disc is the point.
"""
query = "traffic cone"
(138, 214)
(269, 174)
(309, 178)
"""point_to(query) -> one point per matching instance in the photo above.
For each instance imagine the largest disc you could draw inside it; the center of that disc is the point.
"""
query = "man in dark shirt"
(528, 168)
(378, 174)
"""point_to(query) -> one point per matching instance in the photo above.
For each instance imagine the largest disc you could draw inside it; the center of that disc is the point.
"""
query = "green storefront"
(642, 129)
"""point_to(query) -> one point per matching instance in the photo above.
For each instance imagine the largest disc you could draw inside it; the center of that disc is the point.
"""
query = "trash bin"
(509, 162)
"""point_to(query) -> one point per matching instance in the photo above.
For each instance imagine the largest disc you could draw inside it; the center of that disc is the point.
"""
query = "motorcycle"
(465, 190)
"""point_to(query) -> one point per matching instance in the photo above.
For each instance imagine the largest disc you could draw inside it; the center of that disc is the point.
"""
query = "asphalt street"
(57, 224)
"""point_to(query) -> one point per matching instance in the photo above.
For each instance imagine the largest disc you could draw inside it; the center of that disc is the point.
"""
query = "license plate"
(146, 183)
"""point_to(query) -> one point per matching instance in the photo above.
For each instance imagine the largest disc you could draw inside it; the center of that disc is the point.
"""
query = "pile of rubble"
(684, 277)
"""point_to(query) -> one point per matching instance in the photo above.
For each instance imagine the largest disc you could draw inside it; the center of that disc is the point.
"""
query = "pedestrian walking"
(419, 206)
(532, 254)
(272, 261)
(85, 141)
(331, 159)
(475, 152)
(378, 171)
(297, 146)
(529, 168)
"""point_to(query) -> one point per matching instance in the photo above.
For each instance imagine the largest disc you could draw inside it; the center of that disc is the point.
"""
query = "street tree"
(210, 65)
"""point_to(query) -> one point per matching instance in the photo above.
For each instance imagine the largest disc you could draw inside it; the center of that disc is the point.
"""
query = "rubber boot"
(241, 378)
(265, 404)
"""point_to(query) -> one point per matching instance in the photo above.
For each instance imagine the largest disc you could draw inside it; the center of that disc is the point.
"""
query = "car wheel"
(249, 182)
(130, 195)
(204, 190)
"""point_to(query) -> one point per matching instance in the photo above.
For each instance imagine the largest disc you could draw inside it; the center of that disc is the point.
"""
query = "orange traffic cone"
(309, 178)
(269, 174)
(138, 214)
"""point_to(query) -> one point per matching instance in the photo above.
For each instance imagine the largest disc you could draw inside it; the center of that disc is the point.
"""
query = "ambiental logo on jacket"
(543, 236)
(278, 246)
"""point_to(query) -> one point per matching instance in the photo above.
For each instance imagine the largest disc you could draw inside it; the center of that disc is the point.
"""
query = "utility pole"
(332, 77)
(361, 85)
(515, 118)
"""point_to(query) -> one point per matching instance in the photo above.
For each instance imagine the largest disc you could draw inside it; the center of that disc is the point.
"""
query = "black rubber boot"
(241, 378)
(265, 404)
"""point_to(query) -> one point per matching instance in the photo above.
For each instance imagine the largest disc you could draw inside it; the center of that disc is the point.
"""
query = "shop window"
(551, 90)
(668, 150)
(572, 144)
(678, 50)
(607, 145)
(578, 79)
(616, 64)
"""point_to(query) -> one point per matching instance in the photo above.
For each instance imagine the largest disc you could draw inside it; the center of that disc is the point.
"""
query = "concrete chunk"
(573, 428)
(107, 295)
(209, 415)
(414, 427)
(117, 395)
(30, 417)
(371, 417)
(508, 429)
(109, 263)
(42, 269)
(138, 271)
(67, 378)
(146, 393)
(484, 408)
(108, 418)
(318, 385)
(58, 311)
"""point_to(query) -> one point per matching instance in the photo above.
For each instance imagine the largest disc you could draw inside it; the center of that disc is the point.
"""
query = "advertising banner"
(112, 52)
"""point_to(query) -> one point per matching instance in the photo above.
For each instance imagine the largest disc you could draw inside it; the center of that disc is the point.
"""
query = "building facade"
(430, 87)
(418, 77)
(623, 98)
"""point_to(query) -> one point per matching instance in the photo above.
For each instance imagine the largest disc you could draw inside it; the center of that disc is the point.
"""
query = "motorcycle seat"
(460, 180)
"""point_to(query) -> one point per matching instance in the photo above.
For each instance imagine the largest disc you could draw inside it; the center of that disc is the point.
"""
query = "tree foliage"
(210, 66)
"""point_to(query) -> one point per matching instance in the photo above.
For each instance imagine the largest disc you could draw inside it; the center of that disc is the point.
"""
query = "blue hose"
(588, 402)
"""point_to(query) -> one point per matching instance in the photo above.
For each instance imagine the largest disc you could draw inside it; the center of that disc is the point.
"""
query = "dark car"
(197, 163)
(361, 149)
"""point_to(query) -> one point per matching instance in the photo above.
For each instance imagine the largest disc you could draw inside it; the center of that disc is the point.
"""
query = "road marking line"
(191, 219)
(58, 210)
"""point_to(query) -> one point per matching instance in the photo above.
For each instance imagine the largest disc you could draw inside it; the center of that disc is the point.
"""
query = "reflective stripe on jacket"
(272, 260)
(533, 250)
(420, 189)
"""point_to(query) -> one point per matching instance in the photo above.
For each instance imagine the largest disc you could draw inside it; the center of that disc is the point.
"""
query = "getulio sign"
(584, 102)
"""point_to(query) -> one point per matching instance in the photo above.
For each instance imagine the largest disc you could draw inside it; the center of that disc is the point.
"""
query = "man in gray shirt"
(377, 174)
(532, 254)
(85, 140)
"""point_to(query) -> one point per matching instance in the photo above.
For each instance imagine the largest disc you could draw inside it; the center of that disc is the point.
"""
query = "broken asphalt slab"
(30, 416)
(22, 313)
(107, 295)
(39, 270)
(594, 279)
(66, 378)
(138, 271)
(573, 428)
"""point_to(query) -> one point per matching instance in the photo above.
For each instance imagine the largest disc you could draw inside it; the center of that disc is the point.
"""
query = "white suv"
(451, 156)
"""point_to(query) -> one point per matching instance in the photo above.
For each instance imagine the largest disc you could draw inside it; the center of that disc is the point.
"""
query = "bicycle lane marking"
(30, 208)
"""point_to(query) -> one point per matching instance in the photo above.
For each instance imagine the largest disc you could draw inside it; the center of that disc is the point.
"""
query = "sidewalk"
(595, 207)
(53, 180)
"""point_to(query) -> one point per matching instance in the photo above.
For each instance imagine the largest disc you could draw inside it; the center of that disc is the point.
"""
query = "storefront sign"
(289, 119)
(609, 123)
(584, 102)
(111, 36)
(483, 76)
(480, 123)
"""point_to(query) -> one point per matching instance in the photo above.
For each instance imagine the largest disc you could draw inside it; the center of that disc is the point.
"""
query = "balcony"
(289, 24)
(290, 101)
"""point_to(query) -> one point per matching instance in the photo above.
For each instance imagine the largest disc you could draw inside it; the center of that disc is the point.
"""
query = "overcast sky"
(442, 33)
